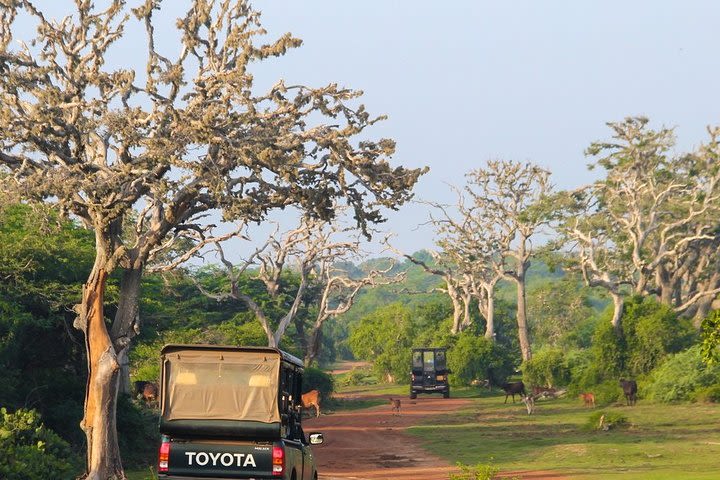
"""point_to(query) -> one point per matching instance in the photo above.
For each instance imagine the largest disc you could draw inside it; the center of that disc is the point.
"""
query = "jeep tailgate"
(220, 459)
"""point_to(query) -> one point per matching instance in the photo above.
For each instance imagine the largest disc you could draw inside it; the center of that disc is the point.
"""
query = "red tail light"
(164, 455)
(278, 461)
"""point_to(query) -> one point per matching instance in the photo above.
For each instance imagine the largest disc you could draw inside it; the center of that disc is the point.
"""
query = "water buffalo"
(630, 390)
(513, 388)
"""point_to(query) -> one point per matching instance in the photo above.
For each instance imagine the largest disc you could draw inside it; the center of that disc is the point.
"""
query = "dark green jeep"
(429, 372)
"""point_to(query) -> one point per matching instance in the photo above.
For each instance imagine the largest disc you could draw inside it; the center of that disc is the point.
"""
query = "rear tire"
(413, 395)
(446, 393)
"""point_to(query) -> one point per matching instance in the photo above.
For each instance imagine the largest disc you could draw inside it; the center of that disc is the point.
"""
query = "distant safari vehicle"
(232, 412)
(429, 372)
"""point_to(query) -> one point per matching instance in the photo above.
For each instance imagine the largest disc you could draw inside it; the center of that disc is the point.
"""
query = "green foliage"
(385, 339)
(556, 307)
(709, 394)
(478, 471)
(30, 451)
(608, 392)
(610, 420)
(357, 377)
(650, 332)
(473, 357)
(711, 337)
(138, 433)
(681, 376)
(316, 379)
(43, 263)
(548, 367)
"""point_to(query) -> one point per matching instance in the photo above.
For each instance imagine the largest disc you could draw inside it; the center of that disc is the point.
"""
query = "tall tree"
(653, 218)
(186, 136)
(510, 200)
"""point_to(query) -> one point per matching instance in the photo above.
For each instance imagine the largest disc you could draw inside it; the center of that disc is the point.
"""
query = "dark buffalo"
(513, 388)
(630, 390)
(147, 391)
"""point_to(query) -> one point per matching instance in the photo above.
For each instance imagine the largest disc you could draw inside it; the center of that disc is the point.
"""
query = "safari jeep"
(232, 412)
(429, 372)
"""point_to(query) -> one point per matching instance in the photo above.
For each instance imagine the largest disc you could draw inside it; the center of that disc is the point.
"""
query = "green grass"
(661, 441)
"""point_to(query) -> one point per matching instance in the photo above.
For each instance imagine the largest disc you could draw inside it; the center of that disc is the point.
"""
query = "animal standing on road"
(395, 402)
(312, 399)
(630, 390)
(513, 388)
(588, 399)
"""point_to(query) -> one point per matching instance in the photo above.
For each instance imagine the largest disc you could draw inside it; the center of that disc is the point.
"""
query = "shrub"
(475, 357)
(316, 379)
(650, 332)
(610, 420)
(29, 451)
(708, 394)
(607, 393)
(681, 376)
(479, 471)
(548, 367)
(138, 433)
(358, 376)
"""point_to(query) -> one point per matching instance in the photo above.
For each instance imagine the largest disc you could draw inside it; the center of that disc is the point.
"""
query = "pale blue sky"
(465, 81)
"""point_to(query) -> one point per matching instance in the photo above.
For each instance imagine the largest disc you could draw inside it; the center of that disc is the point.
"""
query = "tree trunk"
(523, 335)
(457, 307)
(126, 324)
(467, 318)
(490, 317)
(98, 423)
(313, 345)
(618, 305)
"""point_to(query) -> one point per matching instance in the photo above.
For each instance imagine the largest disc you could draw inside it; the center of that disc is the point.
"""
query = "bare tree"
(509, 200)
(187, 136)
(474, 249)
(314, 249)
(457, 286)
(660, 210)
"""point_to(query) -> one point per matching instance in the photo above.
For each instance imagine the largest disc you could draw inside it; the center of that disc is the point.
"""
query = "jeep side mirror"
(316, 438)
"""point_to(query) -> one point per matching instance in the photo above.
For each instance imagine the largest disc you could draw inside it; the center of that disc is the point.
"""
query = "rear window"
(221, 386)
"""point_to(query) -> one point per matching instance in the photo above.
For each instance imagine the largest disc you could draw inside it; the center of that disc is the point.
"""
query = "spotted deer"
(395, 403)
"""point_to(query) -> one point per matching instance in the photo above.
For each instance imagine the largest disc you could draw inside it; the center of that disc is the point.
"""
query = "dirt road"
(371, 444)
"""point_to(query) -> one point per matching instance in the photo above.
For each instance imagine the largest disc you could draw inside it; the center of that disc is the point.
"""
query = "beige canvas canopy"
(218, 384)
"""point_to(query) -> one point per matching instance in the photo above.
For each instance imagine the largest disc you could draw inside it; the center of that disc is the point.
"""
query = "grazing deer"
(311, 399)
(588, 399)
(395, 402)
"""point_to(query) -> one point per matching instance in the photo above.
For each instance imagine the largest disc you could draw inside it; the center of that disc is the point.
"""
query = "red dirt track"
(372, 443)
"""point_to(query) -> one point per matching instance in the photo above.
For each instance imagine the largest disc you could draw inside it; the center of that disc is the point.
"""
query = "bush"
(358, 376)
(607, 393)
(475, 472)
(548, 367)
(29, 451)
(475, 357)
(681, 376)
(708, 394)
(650, 332)
(138, 433)
(316, 379)
(610, 420)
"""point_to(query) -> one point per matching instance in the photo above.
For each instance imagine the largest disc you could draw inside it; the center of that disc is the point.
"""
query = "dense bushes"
(650, 332)
(684, 376)
(473, 357)
(548, 367)
(30, 451)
